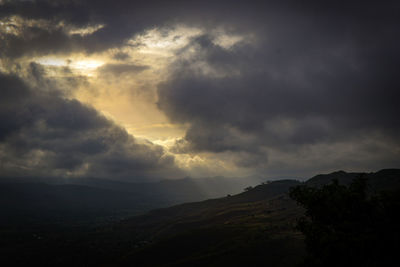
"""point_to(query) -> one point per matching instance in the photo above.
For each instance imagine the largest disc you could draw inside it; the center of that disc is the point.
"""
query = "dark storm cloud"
(50, 34)
(35, 41)
(120, 19)
(315, 76)
(38, 77)
(13, 92)
(44, 134)
(327, 93)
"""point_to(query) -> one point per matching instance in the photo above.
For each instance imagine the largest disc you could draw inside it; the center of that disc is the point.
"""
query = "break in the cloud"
(201, 87)
(47, 135)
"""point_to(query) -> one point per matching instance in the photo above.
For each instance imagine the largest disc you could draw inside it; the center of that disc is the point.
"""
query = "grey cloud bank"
(316, 89)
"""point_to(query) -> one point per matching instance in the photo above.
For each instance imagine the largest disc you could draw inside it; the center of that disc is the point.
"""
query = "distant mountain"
(42, 203)
(79, 200)
(176, 190)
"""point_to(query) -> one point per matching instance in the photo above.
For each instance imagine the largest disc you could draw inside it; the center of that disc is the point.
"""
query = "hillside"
(247, 229)
(256, 201)
(263, 218)
(232, 230)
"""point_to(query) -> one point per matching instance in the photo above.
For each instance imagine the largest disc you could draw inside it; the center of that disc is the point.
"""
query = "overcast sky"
(146, 90)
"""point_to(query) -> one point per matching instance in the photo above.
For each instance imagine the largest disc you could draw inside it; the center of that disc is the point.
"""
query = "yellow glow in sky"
(130, 98)
(82, 64)
(86, 64)
(79, 65)
(52, 61)
(86, 30)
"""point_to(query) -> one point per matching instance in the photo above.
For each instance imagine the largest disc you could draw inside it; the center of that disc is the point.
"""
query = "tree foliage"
(348, 225)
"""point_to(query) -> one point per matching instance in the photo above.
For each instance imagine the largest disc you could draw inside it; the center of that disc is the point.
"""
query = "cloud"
(121, 56)
(60, 27)
(121, 69)
(103, 24)
(264, 85)
(329, 79)
(45, 134)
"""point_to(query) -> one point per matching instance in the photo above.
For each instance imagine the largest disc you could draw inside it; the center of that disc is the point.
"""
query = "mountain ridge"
(265, 209)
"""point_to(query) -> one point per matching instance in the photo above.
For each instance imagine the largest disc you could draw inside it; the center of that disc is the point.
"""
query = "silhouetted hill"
(221, 210)
(264, 216)
(386, 179)
(249, 202)
(253, 228)
(323, 179)
(219, 230)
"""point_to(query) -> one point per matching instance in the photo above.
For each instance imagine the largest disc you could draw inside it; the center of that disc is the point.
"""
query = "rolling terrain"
(253, 228)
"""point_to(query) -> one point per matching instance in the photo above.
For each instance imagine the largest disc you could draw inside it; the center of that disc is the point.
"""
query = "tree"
(347, 226)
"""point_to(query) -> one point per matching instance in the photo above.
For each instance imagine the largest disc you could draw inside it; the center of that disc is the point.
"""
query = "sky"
(149, 90)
